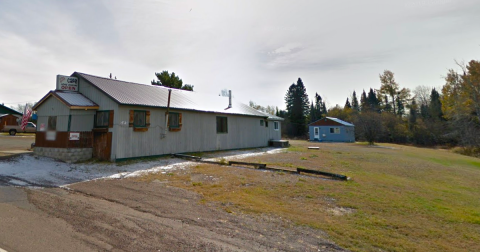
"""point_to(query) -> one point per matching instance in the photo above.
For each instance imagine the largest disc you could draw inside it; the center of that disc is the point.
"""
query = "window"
(102, 119)
(173, 121)
(139, 119)
(222, 124)
(52, 123)
(335, 130)
(275, 125)
(266, 124)
(261, 122)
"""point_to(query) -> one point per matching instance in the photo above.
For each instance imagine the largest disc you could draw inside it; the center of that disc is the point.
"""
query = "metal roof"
(272, 117)
(129, 93)
(75, 99)
(340, 121)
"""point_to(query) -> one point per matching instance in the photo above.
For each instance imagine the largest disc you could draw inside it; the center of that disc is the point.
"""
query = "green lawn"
(400, 198)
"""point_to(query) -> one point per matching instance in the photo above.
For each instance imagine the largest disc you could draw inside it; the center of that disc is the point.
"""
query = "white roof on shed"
(340, 121)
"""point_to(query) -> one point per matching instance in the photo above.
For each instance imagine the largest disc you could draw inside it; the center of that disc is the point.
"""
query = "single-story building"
(330, 129)
(8, 116)
(89, 116)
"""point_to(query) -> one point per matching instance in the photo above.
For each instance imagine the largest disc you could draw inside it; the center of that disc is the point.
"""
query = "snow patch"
(49, 172)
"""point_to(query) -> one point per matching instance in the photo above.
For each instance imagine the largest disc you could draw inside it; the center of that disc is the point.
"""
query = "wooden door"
(102, 145)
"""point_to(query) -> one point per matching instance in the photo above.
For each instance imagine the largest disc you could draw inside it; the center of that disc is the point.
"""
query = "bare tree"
(369, 126)
(422, 95)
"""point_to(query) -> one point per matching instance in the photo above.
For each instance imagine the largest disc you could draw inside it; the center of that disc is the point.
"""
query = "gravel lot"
(119, 213)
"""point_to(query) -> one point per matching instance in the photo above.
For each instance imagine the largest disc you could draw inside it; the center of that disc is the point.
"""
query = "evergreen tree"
(363, 101)
(170, 80)
(435, 107)
(424, 111)
(347, 104)
(297, 103)
(313, 117)
(373, 102)
(400, 107)
(355, 104)
(412, 119)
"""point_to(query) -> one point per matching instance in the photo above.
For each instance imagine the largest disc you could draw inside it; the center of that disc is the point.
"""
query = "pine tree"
(297, 103)
(347, 104)
(312, 113)
(170, 80)
(435, 107)
(412, 119)
(355, 105)
(400, 107)
(363, 101)
(373, 102)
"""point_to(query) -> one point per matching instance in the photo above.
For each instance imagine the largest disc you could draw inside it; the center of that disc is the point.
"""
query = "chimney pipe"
(166, 113)
(229, 98)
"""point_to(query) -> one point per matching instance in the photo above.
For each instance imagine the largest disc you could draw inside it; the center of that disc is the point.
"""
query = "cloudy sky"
(255, 48)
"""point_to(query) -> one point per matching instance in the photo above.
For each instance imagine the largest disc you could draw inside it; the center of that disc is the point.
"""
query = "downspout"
(166, 113)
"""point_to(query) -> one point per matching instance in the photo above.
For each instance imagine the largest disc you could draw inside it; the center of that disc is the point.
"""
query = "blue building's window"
(334, 130)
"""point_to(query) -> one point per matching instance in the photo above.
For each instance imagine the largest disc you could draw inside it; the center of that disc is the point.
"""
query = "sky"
(257, 49)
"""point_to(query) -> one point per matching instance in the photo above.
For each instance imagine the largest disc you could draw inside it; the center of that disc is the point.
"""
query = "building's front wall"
(53, 107)
(198, 133)
(346, 134)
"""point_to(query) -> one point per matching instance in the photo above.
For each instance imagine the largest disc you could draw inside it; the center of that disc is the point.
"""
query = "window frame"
(225, 124)
(52, 120)
(261, 122)
(107, 122)
(334, 130)
(276, 125)
(144, 119)
(177, 126)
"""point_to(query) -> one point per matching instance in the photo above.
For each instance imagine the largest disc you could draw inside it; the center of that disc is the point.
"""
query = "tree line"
(391, 113)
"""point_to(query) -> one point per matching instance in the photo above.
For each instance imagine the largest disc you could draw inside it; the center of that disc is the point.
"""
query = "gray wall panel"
(82, 120)
(198, 133)
(53, 107)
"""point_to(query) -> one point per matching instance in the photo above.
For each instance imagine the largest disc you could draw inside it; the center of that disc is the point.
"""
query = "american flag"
(26, 115)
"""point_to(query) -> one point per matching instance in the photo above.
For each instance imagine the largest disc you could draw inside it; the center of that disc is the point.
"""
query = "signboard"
(42, 126)
(51, 135)
(67, 83)
(74, 136)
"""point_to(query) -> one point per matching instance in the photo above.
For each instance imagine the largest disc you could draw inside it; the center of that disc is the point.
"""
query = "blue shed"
(330, 129)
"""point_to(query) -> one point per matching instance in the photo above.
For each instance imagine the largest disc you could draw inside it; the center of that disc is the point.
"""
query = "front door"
(316, 133)
(102, 145)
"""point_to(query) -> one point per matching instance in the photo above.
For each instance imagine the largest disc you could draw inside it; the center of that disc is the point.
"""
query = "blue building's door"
(316, 133)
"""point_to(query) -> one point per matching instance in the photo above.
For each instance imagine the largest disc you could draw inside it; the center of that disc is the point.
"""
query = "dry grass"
(400, 199)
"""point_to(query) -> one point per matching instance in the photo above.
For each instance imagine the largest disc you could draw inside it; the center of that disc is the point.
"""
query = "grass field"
(400, 198)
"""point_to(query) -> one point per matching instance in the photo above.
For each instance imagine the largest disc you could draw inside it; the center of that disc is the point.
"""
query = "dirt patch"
(136, 216)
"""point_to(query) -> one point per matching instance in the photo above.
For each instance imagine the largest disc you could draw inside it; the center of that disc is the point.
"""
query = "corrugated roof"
(340, 121)
(272, 117)
(71, 99)
(129, 93)
(75, 99)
